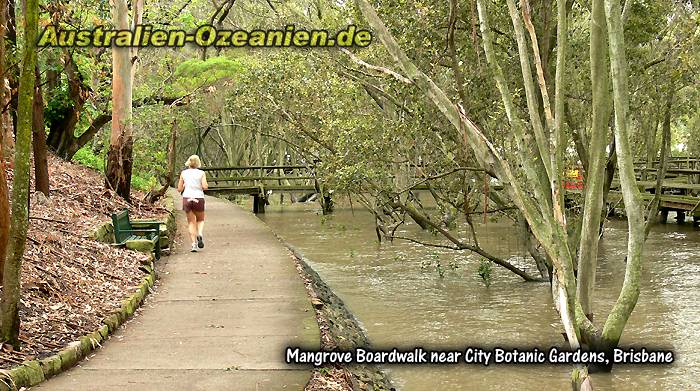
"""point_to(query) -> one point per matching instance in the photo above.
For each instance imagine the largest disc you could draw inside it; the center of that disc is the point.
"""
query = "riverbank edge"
(342, 326)
(33, 372)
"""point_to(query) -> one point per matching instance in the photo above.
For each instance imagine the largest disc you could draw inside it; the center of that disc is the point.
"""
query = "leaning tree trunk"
(41, 165)
(9, 331)
(119, 158)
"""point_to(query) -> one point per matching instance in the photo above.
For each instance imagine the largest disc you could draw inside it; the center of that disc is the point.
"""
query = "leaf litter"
(70, 281)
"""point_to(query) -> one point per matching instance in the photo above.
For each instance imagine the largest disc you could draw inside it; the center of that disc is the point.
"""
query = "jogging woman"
(192, 184)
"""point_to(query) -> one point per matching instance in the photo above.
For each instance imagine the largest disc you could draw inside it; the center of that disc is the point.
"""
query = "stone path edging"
(31, 373)
(345, 329)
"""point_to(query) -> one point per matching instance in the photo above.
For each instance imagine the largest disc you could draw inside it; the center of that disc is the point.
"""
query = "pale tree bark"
(533, 107)
(533, 166)
(588, 246)
(9, 331)
(120, 156)
(629, 293)
(580, 379)
(558, 138)
(551, 230)
(137, 19)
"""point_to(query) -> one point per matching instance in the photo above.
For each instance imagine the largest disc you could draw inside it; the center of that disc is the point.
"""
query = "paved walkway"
(220, 319)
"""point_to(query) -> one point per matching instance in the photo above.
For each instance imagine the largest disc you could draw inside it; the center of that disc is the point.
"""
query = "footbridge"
(680, 187)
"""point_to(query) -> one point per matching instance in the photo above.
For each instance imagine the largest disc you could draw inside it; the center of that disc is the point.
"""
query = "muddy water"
(402, 300)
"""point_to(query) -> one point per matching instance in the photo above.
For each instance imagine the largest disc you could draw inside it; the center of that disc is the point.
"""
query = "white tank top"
(193, 183)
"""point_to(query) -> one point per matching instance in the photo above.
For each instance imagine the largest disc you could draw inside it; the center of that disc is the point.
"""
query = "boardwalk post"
(327, 204)
(259, 203)
(680, 217)
(663, 218)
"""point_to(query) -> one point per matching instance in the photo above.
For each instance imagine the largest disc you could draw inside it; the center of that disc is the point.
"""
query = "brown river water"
(402, 301)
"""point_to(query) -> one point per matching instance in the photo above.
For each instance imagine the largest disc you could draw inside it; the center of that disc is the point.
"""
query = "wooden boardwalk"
(261, 181)
(681, 187)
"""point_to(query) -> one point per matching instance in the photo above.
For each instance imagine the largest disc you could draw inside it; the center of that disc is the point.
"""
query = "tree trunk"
(650, 146)
(8, 144)
(588, 246)
(41, 166)
(119, 158)
(543, 266)
(627, 299)
(5, 134)
(9, 331)
(61, 138)
(6, 128)
(4, 214)
(13, 72)
(664, 154)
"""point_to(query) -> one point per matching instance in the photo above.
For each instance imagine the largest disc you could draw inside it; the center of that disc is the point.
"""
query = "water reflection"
(395, 291)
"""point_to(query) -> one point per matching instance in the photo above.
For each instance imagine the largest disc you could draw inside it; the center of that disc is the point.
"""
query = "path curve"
(220, 318)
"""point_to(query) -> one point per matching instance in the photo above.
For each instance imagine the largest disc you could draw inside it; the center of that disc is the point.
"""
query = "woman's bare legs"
(192, 226)
(200, 228)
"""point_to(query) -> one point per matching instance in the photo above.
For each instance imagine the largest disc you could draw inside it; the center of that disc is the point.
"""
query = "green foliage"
(484, 271)
(440, 269)
(57, 105)
(195, 73)
(86, 157)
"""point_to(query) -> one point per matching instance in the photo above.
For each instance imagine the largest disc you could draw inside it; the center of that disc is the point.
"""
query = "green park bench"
(126, 230)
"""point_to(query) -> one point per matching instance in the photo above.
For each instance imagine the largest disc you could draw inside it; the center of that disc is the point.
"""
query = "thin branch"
(455, 248)
(377, 68)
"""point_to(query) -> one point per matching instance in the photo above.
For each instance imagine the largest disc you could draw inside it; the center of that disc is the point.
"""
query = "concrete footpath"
(219, 319)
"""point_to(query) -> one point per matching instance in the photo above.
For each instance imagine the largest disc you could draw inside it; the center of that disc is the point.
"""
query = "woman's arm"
(181, 185)
(205, 185)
